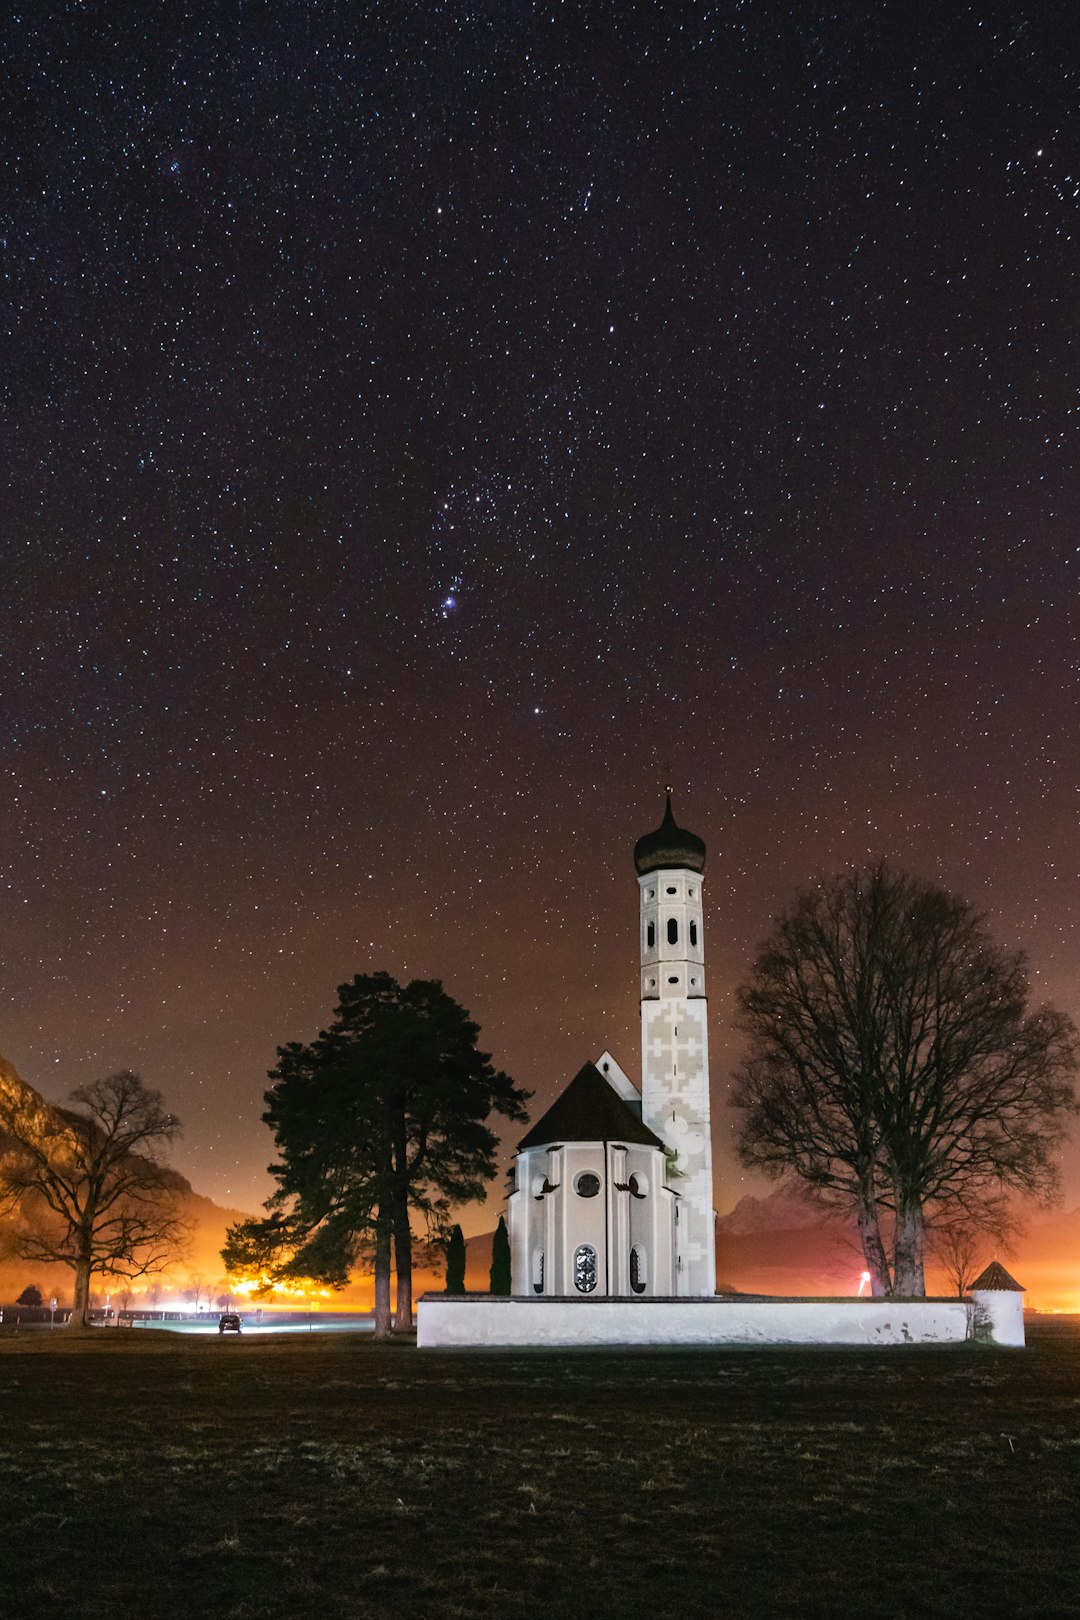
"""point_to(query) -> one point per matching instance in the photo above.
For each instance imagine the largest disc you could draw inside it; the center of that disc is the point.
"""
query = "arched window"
(538, 1271)
(693, 933)
(585, 1269)
(638, 1269)
(672, 931)
(650, 936)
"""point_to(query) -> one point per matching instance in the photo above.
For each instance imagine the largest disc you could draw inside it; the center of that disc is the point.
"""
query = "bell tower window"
(672, 931)
(650, 936)
(693, 933)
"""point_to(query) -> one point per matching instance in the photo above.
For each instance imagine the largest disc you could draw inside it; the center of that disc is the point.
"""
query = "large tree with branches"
(87, 1183)
(895, 1066)
(383, 1117)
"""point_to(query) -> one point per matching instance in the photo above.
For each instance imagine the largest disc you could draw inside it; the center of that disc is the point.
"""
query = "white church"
(613, 1186)
(611, 1214)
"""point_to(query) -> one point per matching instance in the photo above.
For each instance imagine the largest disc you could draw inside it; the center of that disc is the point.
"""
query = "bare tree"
(958, 1250)
(197, 1286)
(894, 1066)
(961, 1241)
(88, 1184)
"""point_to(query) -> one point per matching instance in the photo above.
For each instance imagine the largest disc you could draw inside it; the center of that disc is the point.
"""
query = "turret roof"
(996, 1280)
(589, 1111)
(669, 846)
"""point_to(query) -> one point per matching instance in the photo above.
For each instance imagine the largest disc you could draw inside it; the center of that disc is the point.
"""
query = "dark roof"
(669, 845)
(589, 1111)
(996, 1280)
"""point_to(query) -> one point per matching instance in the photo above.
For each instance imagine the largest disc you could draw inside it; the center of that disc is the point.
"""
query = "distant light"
(863, 1280)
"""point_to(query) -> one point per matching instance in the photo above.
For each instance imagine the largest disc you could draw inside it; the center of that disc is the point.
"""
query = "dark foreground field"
(146, 1475)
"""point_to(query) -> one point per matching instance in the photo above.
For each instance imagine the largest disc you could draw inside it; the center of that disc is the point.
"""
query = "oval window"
(638, 1270)
(674, 979)
(585, 1269)
(671, 891)
(638, 1185)
(587, 1185)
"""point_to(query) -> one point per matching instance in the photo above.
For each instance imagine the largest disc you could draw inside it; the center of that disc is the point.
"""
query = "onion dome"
(669, 846)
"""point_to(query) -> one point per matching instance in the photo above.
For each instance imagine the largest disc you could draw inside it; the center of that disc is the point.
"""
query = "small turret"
(1000, 1297)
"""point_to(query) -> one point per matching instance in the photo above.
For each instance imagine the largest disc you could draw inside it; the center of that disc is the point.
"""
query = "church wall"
(480, 1321)
(650, 1221)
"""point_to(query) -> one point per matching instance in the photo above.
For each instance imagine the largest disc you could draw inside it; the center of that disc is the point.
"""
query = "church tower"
(675, 1037)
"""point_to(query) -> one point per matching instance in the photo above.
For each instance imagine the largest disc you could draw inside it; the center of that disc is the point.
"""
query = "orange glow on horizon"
(263, 1288)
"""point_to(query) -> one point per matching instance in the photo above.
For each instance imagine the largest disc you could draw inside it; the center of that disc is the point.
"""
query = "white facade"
(591, 1219)
(675, 1060)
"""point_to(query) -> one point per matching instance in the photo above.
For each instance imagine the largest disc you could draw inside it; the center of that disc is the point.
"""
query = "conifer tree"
(455, 1261)
(386, 1115)
(500, 1260)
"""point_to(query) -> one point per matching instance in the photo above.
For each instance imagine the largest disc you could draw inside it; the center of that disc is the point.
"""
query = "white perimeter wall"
(518, 1322)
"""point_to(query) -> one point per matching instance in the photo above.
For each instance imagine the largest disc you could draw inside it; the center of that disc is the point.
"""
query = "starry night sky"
(424, 427)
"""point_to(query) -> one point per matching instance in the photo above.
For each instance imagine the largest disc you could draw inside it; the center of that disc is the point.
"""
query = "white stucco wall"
(555, 1222)
(553, 1322)
(1004, 1311)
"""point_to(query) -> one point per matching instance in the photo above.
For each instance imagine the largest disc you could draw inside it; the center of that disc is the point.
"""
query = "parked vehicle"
(229, 1323)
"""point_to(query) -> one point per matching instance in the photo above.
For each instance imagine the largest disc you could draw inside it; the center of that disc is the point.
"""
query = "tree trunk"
(909, 1276)
(877, 1261)
(403, 1321)
(382, 1274)
(80, 1312)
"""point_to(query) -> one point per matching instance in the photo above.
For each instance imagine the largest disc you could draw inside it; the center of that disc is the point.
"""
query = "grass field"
(147, 1475)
